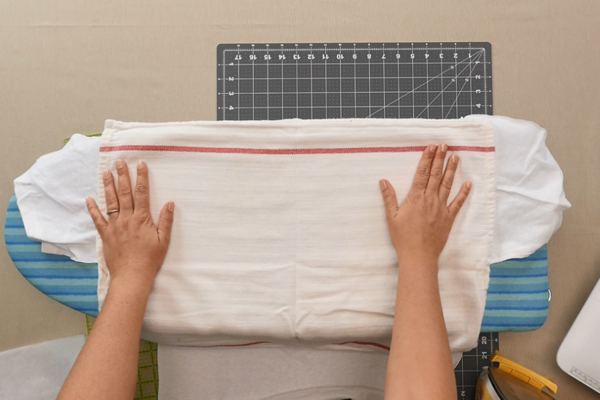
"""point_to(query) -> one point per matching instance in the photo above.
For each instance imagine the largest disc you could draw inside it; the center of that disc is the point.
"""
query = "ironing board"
(517, 298)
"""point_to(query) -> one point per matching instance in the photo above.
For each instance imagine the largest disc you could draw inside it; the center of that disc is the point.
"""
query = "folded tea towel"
(529, 194)
(280, 234)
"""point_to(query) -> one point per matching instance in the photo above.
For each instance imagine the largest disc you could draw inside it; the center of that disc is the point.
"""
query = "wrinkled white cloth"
(272, 372)
(530, 199)
(258, 373)
(38, 371)
(51, 197)
(529, 194)
(280, 234)
(529, 205)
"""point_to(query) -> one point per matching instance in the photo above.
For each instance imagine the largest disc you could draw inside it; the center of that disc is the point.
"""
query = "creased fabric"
(257, 373)
(530, 199)
(51, 196)
(529, 194)
(280, 233)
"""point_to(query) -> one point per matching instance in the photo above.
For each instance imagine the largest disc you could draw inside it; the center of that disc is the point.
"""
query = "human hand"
(421, 225)
(134, 248)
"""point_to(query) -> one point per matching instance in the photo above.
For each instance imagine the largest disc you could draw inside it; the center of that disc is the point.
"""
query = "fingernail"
(468, 185)
(382, 184)
(88, 200)
(106, 174)
(432, 148)
(140, 164)
(454, 158)
(444, 148)
(120, 163)
(171, 206)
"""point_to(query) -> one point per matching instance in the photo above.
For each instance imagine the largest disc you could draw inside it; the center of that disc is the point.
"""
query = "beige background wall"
(67, 65)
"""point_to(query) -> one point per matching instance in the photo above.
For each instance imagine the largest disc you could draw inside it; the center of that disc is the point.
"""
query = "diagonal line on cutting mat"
(431, 102)
(423, 84)
(464, 83)
(442, 91)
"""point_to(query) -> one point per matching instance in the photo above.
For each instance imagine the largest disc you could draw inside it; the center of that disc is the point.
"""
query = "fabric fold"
(51, 196)
(280, 234)
(530, 199)
(528, 188)
(529, 193)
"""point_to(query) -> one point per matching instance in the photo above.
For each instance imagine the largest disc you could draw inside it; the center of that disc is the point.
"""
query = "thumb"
(96, 215)
(165, 223)
(389, 197)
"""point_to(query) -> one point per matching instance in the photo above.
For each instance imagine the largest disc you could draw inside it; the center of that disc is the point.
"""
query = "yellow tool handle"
(524, 374)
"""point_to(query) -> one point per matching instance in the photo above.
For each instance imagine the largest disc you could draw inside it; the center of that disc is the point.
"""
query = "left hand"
(134, 248)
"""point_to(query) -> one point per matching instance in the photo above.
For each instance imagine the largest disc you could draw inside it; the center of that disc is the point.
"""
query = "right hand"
(421, 225)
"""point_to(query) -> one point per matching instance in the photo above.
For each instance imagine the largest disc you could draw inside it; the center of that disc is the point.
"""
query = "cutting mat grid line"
(346, 81)
(361, 80)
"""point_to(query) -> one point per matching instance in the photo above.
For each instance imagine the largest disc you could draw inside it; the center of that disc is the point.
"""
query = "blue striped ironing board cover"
(517, 298)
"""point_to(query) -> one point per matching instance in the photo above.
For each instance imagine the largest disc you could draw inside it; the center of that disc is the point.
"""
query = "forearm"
(107, 365)
(420, 363)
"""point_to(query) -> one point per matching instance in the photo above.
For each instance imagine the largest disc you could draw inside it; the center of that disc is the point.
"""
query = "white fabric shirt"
(529, 194)
(530, 198)
(51, 197)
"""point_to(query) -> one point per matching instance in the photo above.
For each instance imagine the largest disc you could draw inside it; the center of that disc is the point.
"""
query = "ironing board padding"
(71, 283)
(517, 298)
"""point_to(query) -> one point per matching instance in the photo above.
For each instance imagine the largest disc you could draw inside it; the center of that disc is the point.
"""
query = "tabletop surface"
(67, 66)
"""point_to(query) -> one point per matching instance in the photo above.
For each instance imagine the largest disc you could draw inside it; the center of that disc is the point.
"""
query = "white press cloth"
(38, 371)
(529, 194)
(259, 373)
(280, 234)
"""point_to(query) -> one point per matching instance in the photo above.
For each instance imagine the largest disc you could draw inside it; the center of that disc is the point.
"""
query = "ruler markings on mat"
(361, 80)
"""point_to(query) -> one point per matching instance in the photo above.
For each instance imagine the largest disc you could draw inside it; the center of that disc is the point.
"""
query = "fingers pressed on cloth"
(423, 170)
(142, 190)
(124, 190)
(460, 198)
(437, 170)
(389, 197)
(96, 215)
(165, 223)
(448, 178)
(110, 193)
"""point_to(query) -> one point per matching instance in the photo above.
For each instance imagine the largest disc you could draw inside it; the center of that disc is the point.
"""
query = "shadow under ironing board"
(517, 298)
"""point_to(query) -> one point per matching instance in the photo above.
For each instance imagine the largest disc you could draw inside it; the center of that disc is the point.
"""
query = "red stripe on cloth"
(236, 150)
(381, 346)
(232, 345)
(367, 344)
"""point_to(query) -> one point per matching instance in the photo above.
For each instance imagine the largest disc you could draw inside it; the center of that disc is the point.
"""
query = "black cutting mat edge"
(419, 46)
(487, 342)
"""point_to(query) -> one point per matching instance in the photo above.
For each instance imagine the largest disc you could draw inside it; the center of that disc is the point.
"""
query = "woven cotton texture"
(516, 304)
(280, 234)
